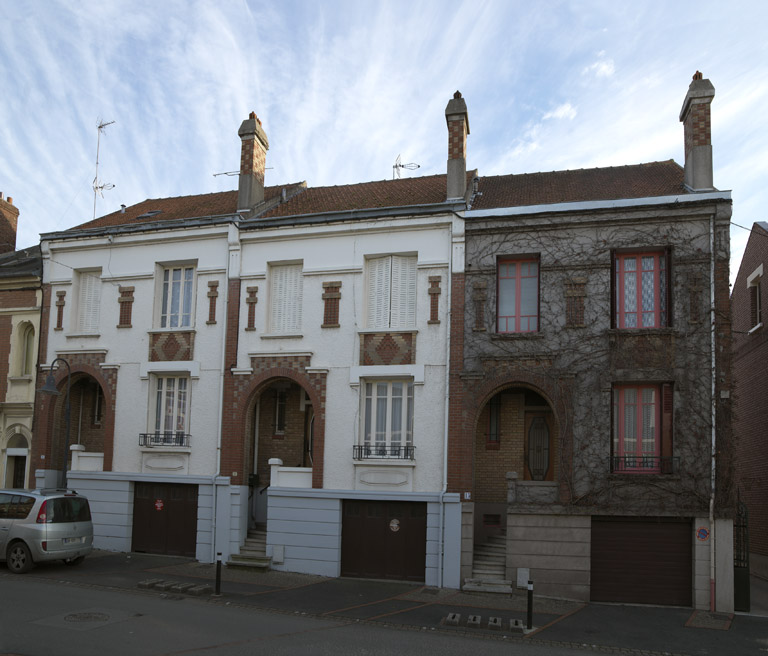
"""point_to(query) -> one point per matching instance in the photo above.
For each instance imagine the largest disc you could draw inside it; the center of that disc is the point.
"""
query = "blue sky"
(342, 88)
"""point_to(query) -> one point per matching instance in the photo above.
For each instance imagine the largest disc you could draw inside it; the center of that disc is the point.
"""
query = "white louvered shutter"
(89, 302)
(403, 292)
(286, 298)
(379, 276)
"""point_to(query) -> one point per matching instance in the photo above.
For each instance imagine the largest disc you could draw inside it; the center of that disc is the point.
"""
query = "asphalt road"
(50, 618)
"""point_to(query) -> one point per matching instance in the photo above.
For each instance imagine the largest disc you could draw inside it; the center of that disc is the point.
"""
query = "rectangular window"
(171, 403)
(755, 288)
(387, 419)
(178, 296)
(88, 301)
(641, 294)
(637, 429)
(391, 292)
(285, 298)
(494, 423)
(280, 403)
(518, 296)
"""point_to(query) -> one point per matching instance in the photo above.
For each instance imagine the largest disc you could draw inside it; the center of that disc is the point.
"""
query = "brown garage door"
(165, 518)
(643, 560)
(384, 540)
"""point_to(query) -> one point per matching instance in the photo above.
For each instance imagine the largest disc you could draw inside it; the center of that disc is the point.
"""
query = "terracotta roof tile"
(610, 183)
(365, 195)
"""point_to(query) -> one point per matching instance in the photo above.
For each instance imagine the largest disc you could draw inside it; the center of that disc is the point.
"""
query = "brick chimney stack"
(253, 159)
(697, 128)
(458, 128)
(9, 219)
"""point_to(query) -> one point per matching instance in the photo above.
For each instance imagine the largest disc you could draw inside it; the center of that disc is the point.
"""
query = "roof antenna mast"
(98, 186)
(397, 166)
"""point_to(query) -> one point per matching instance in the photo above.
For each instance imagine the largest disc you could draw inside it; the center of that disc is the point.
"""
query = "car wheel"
(74, 561)
(19, 559)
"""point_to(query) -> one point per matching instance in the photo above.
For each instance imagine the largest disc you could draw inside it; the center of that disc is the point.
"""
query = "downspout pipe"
(713, 447)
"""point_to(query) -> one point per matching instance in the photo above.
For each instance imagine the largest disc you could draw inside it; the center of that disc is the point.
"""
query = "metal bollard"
(530, 604)
(218, 574)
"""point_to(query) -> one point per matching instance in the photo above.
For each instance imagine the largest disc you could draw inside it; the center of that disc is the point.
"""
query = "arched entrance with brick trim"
(92, 393)
(280, 427)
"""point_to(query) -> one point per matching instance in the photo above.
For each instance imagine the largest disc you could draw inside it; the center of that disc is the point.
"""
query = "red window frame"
(516, 272)
(634, 309)
(631, 413)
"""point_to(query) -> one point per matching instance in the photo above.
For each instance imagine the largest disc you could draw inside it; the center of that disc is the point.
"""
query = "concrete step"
(496, 586)
(241, 560)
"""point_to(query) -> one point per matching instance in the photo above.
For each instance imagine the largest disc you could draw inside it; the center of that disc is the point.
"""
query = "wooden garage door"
(384, 540)
(643, 560)
(165, 519)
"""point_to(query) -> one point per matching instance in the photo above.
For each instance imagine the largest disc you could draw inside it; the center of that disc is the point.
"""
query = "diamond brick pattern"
(171, 347)
(387, 348)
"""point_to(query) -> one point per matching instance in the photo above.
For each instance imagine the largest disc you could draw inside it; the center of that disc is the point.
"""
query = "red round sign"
(159, 504)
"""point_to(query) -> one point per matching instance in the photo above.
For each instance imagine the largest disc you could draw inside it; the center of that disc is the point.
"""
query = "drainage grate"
(86, 617)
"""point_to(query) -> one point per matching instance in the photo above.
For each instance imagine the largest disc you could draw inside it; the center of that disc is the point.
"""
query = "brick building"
(20, 303)
(584, 415)
(749, 299)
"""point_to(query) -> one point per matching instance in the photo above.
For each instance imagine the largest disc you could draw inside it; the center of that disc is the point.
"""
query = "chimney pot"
(253, 155)
(697, 134)
(458, 128)
(10, 200)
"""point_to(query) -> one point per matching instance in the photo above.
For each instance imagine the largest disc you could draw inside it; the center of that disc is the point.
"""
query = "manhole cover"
(86, 617)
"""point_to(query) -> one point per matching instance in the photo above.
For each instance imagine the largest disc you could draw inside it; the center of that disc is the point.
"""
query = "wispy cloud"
(566, 110)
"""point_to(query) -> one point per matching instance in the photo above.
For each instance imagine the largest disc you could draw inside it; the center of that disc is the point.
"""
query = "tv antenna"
(98, 186)
(397, 166)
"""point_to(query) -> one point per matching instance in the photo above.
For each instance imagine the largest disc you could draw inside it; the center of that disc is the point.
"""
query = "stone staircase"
(489, 567)
(253, 553)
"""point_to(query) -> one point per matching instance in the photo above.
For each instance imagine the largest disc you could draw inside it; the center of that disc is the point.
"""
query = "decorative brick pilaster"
(60, 303)
(434, 299)
(126, 306)
(251, 300)
(213, 294)
(479, 296)
(331, 298)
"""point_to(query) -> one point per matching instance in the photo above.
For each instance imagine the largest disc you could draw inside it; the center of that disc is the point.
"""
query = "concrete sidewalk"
(610, 628)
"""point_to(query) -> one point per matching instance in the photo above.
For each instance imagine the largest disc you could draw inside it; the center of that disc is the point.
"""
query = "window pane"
(507, 291)
(159, 406)
(164, 316)
(630, 299)
(529, 301)
(630, 421)
(649, 421)
(381, 413)
(187, 310)
(181, 410)
(409, 411)
(397, 414)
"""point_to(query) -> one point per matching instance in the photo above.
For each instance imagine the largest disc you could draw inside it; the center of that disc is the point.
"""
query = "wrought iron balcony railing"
(645, 464)
(382, 451)
(164, 438)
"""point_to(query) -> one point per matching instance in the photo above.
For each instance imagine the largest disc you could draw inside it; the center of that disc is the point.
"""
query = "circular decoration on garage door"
(394, 525)
(159, 505)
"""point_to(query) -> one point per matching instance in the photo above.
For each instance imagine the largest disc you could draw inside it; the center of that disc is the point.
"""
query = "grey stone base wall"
(555, 549)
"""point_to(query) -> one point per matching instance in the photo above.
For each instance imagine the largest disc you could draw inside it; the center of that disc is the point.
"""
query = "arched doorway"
(282, 428)
(515, 435)
(16, 459)
(87, 422)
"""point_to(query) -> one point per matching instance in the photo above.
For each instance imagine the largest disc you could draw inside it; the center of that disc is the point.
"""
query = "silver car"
(44, 525)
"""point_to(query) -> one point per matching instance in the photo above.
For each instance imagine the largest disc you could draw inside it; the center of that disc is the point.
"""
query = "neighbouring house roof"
(609, 183)
(635, 181)
(21, 263)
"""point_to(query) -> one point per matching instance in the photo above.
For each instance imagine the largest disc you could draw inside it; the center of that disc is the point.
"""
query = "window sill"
(380, 331)
(384, 462)
(166, 448)
(755, 328)
(82, 335)
(26, 378)
(279, 336)
(160, 331)
(642, 331)
(505, 336)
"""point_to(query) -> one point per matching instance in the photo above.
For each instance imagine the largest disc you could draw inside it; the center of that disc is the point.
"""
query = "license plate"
(72, 540)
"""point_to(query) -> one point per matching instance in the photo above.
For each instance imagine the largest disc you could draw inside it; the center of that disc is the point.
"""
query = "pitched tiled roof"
(365, 195)
(24, 262)
(610, 183)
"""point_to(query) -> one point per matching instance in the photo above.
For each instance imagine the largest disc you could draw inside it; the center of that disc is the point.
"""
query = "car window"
(5, 505)
(21, 506)
(69, 509)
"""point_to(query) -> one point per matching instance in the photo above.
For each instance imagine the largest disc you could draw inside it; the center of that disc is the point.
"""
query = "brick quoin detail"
(60, 302)
(126, 306)
(575, 292)
(331, 298)
(49, 440)
(251, 301)
(213, 294)
(434, 299)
